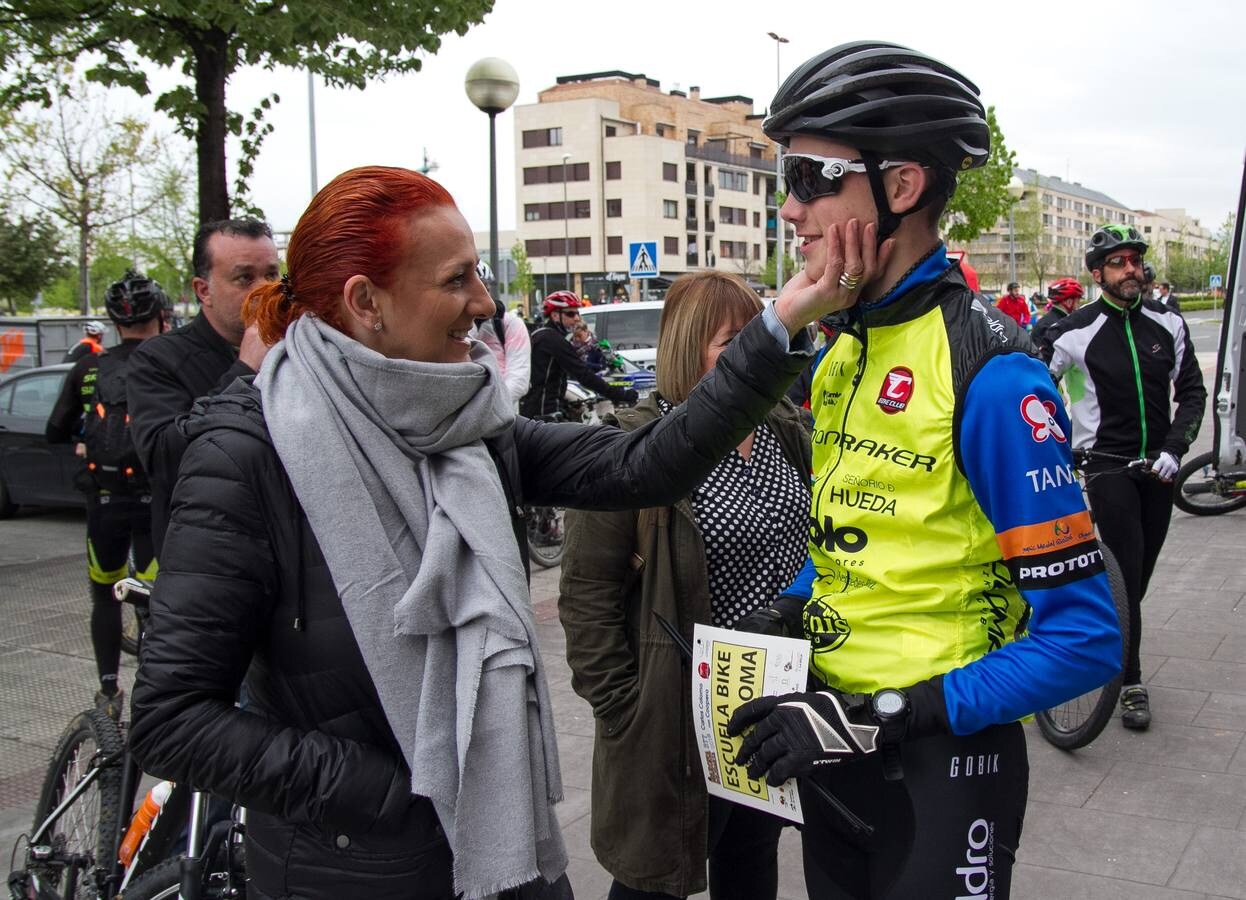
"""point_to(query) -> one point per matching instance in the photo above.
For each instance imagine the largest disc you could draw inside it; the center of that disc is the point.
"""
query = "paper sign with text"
(730, 668)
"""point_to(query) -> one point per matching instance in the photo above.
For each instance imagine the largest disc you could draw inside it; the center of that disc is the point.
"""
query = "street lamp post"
(778, 173)
(492, 85)
(566, 214)
(1016, 187)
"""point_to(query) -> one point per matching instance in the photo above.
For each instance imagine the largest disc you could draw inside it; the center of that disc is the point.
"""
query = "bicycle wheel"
(1199, 493)
(1079, 721)
(545, 535)
(87, 829)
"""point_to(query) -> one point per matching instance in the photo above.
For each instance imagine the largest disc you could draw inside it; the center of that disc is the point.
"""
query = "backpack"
(111, 458)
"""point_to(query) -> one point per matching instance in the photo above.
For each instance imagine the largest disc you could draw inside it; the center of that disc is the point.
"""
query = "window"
(660, 129)
(580, 246)
(553, 174)
(670, 246)
(1147, 229)
(611, 131)
(540, 212)
(757, 251)
(34, 397)
(694, 138)
(614, 244)
(757, 220)
(543, 137)
(614, 209)
(732, 181)
(670, 172)
(733, 249)
(670, 209)
(730, 215)
(614, 171)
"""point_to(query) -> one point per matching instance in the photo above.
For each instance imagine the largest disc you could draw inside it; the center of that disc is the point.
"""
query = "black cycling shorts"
(948, 829)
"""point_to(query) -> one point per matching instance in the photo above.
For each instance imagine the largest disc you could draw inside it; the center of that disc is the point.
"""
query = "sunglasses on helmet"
(808, 177)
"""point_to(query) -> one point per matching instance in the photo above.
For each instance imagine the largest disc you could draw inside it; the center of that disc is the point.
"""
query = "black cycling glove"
(626, 396)
(794, 734)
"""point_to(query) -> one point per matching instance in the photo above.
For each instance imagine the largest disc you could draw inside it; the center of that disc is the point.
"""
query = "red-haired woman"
(345, 538)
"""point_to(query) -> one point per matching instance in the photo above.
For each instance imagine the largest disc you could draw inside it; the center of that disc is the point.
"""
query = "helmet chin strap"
(889, 221)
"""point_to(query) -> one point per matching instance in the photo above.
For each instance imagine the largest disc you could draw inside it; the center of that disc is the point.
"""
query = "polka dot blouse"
(753, 516)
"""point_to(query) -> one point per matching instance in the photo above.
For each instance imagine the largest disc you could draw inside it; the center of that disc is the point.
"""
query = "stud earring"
(377, 326)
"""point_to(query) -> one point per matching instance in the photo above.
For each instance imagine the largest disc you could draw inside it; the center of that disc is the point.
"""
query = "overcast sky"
(1144, 101)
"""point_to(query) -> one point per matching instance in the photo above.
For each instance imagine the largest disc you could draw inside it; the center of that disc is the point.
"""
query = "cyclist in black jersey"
(554, 360)
(1122, 357)
(91, 410)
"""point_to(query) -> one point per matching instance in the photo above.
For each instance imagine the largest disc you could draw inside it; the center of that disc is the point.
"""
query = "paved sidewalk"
(1153, 816)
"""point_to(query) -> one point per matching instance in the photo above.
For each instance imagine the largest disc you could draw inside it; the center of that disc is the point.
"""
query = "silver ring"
(850, 282)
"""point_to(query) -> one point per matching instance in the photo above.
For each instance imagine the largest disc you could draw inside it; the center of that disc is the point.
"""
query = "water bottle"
(141, 823)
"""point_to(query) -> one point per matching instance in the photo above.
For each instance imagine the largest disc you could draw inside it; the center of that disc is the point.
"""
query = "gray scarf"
(387, 458)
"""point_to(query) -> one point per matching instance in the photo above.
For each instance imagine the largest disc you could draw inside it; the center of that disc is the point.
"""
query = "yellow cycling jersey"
(909, 580)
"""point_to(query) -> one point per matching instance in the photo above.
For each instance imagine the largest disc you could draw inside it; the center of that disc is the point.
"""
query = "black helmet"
(1109, 239)
(135, 299)
(885, 99)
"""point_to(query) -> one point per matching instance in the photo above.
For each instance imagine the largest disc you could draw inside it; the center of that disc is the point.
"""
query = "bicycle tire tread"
(1092, 726)
(95, 725)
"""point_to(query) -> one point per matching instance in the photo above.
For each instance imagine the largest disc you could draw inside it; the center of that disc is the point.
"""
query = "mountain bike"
(87, 798)
(1203, 490)
(1077, 722)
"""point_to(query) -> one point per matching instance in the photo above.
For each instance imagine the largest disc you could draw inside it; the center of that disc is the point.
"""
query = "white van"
(631, 329)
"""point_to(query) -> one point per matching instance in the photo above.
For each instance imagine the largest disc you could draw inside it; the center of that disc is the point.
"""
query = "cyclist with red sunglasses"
(931, 540)
(1125, 355)
(554, 360)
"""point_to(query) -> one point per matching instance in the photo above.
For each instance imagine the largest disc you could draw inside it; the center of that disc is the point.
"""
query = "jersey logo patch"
(1040, 415)
(896, 391)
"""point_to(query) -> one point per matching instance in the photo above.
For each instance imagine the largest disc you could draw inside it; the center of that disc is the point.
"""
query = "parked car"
(631, 329)
(32, 471)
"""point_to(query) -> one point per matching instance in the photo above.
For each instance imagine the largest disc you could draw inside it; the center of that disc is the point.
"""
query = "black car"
(32, 471)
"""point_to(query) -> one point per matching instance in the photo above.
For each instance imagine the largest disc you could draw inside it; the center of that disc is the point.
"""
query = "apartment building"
(1049, 229)
(1172, 231)
(609, 158)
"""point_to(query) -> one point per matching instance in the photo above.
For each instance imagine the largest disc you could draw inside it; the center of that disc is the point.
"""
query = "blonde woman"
(722, 552)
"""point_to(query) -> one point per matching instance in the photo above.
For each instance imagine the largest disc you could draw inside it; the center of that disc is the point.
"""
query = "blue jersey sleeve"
(1013, 443)
(802, 585)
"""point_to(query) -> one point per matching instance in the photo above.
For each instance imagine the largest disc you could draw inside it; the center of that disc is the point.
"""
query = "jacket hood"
(238, 407)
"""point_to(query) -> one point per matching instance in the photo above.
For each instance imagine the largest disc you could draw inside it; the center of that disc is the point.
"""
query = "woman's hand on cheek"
(851, 252)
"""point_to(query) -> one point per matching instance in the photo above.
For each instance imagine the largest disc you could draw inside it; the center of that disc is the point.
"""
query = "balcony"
(709, 189)
(710, 226)
(770, 198)
(691, 256)
(691, 222)
(690, 187)
(713, 151)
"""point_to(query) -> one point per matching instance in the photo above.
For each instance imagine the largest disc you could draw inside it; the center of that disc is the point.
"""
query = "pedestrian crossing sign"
(642, 259)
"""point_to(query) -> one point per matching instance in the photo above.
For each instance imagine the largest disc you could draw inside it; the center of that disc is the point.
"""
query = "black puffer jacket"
(244, 592)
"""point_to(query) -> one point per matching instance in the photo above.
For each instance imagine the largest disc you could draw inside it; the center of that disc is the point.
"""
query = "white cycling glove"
(1165, 468)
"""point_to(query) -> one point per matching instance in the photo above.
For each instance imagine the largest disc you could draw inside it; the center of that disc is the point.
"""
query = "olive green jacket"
(619, 568)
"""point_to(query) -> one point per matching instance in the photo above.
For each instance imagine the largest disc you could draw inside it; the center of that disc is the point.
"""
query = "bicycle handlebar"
(1081, 457)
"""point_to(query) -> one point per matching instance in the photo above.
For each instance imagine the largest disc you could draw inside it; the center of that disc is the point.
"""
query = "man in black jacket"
(1125, 355)
(554, 360)
(91, 410)
(203, 357)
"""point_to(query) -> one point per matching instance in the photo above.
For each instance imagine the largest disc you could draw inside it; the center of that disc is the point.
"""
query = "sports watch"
(890, 708)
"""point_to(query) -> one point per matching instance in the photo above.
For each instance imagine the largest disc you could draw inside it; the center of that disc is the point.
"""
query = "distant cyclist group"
(331, 463)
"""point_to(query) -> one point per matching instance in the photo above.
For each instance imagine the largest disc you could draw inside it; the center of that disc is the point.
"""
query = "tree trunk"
(210, 139)
(84, 270)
